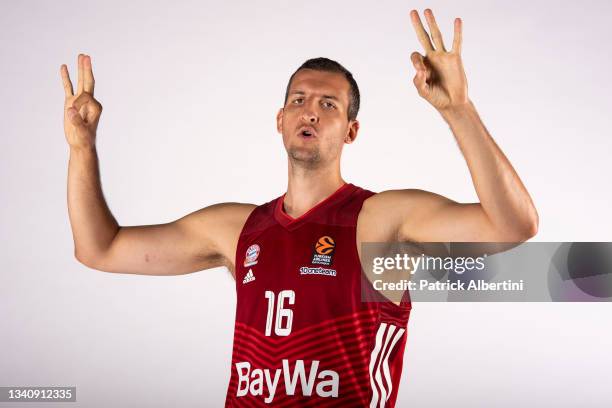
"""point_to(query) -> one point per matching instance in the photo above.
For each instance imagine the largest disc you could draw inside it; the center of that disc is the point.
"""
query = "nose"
(309, 116)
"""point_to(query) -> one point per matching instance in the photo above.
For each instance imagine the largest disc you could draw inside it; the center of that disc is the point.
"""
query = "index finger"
(420, 31)
(66, 81)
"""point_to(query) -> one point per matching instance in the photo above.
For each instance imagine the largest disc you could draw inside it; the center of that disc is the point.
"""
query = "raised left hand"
(440, 78)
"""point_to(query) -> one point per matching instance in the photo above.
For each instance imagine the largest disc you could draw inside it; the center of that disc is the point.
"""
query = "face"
(314, 121)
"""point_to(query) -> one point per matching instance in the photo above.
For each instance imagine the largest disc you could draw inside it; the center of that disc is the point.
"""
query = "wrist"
(457, 111)
(82, 150)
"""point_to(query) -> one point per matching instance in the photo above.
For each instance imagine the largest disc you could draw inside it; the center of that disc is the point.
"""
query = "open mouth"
(307, 132)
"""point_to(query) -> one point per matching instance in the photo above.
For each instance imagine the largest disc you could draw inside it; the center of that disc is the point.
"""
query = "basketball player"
(303, 337)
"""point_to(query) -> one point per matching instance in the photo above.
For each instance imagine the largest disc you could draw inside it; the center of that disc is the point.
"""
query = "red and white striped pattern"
(380, 378)
(340, 344)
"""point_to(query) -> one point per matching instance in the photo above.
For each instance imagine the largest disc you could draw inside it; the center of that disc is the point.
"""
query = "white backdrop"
(190, 92)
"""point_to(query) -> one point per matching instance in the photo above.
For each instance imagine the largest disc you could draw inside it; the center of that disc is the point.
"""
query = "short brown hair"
(327, 65)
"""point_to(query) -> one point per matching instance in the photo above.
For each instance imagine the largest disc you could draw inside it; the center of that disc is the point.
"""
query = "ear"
(279, 121)
(351, 134)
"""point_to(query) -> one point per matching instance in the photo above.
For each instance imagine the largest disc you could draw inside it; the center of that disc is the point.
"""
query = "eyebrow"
(303, 93)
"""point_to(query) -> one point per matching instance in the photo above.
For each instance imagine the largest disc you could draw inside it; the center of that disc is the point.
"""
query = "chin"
(307, 156)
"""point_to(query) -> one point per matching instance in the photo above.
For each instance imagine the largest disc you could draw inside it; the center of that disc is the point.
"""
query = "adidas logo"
(249, 277)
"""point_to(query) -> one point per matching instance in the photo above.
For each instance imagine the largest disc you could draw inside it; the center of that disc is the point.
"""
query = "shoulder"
(222, 215)
(384, 213)
(391, 202)
(219, 226)
(219, 222)
(390, 198)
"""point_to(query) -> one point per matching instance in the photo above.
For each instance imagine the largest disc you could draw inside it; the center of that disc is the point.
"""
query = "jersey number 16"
(283, 317)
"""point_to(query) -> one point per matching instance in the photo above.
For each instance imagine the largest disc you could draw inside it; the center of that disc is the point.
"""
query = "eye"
(329, 105)
(297, 100)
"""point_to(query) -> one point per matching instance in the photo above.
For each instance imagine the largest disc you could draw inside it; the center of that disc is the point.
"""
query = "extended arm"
(203, 239)
(505, 212)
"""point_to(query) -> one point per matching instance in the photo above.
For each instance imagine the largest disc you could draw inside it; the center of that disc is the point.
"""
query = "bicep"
(444, 220)
(422, 216)
(197, 241)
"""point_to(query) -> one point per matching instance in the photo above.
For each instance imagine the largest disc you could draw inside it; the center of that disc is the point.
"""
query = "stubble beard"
(305, 157)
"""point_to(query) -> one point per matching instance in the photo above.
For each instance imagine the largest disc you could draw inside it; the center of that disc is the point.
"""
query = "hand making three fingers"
(440, 78)
(81, 111)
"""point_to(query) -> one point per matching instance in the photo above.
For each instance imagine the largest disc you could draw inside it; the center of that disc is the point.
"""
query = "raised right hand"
(81, 111)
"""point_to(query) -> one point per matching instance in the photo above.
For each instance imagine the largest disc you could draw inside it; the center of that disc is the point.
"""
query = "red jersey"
(303, 336)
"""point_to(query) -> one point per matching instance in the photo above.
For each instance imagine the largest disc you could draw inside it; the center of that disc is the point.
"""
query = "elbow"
(519, 230)
(84, 259)
(530, 230)
(80, 258)
(534, 227)
(533, 224)
(529, 227)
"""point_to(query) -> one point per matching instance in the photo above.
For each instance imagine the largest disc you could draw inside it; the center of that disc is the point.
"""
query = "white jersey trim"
(379, 367)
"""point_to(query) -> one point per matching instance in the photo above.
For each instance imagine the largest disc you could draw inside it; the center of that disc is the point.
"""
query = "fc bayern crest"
(252, 253)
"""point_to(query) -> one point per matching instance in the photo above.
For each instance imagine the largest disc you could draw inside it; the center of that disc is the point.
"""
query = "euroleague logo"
(324, 251)
(325, 245)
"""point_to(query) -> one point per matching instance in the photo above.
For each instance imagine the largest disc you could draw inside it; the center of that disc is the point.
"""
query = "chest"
(314, 271)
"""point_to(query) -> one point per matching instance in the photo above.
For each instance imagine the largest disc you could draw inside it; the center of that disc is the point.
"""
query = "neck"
(307, 187)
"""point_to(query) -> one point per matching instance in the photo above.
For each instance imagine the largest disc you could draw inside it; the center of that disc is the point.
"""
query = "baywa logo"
(324, 251)
(264, 381)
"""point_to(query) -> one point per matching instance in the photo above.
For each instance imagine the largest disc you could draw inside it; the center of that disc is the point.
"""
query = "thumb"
(420, 82)
(75, 118)
(420, 79)
(417, 61)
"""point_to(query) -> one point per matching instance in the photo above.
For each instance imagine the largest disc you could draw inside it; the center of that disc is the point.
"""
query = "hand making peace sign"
(440, 77)
(81, 111)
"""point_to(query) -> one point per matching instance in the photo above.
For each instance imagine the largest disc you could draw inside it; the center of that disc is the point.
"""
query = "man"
(303, 336)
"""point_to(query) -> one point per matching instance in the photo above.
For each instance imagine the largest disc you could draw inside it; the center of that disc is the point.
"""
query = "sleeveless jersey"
(303, 336)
